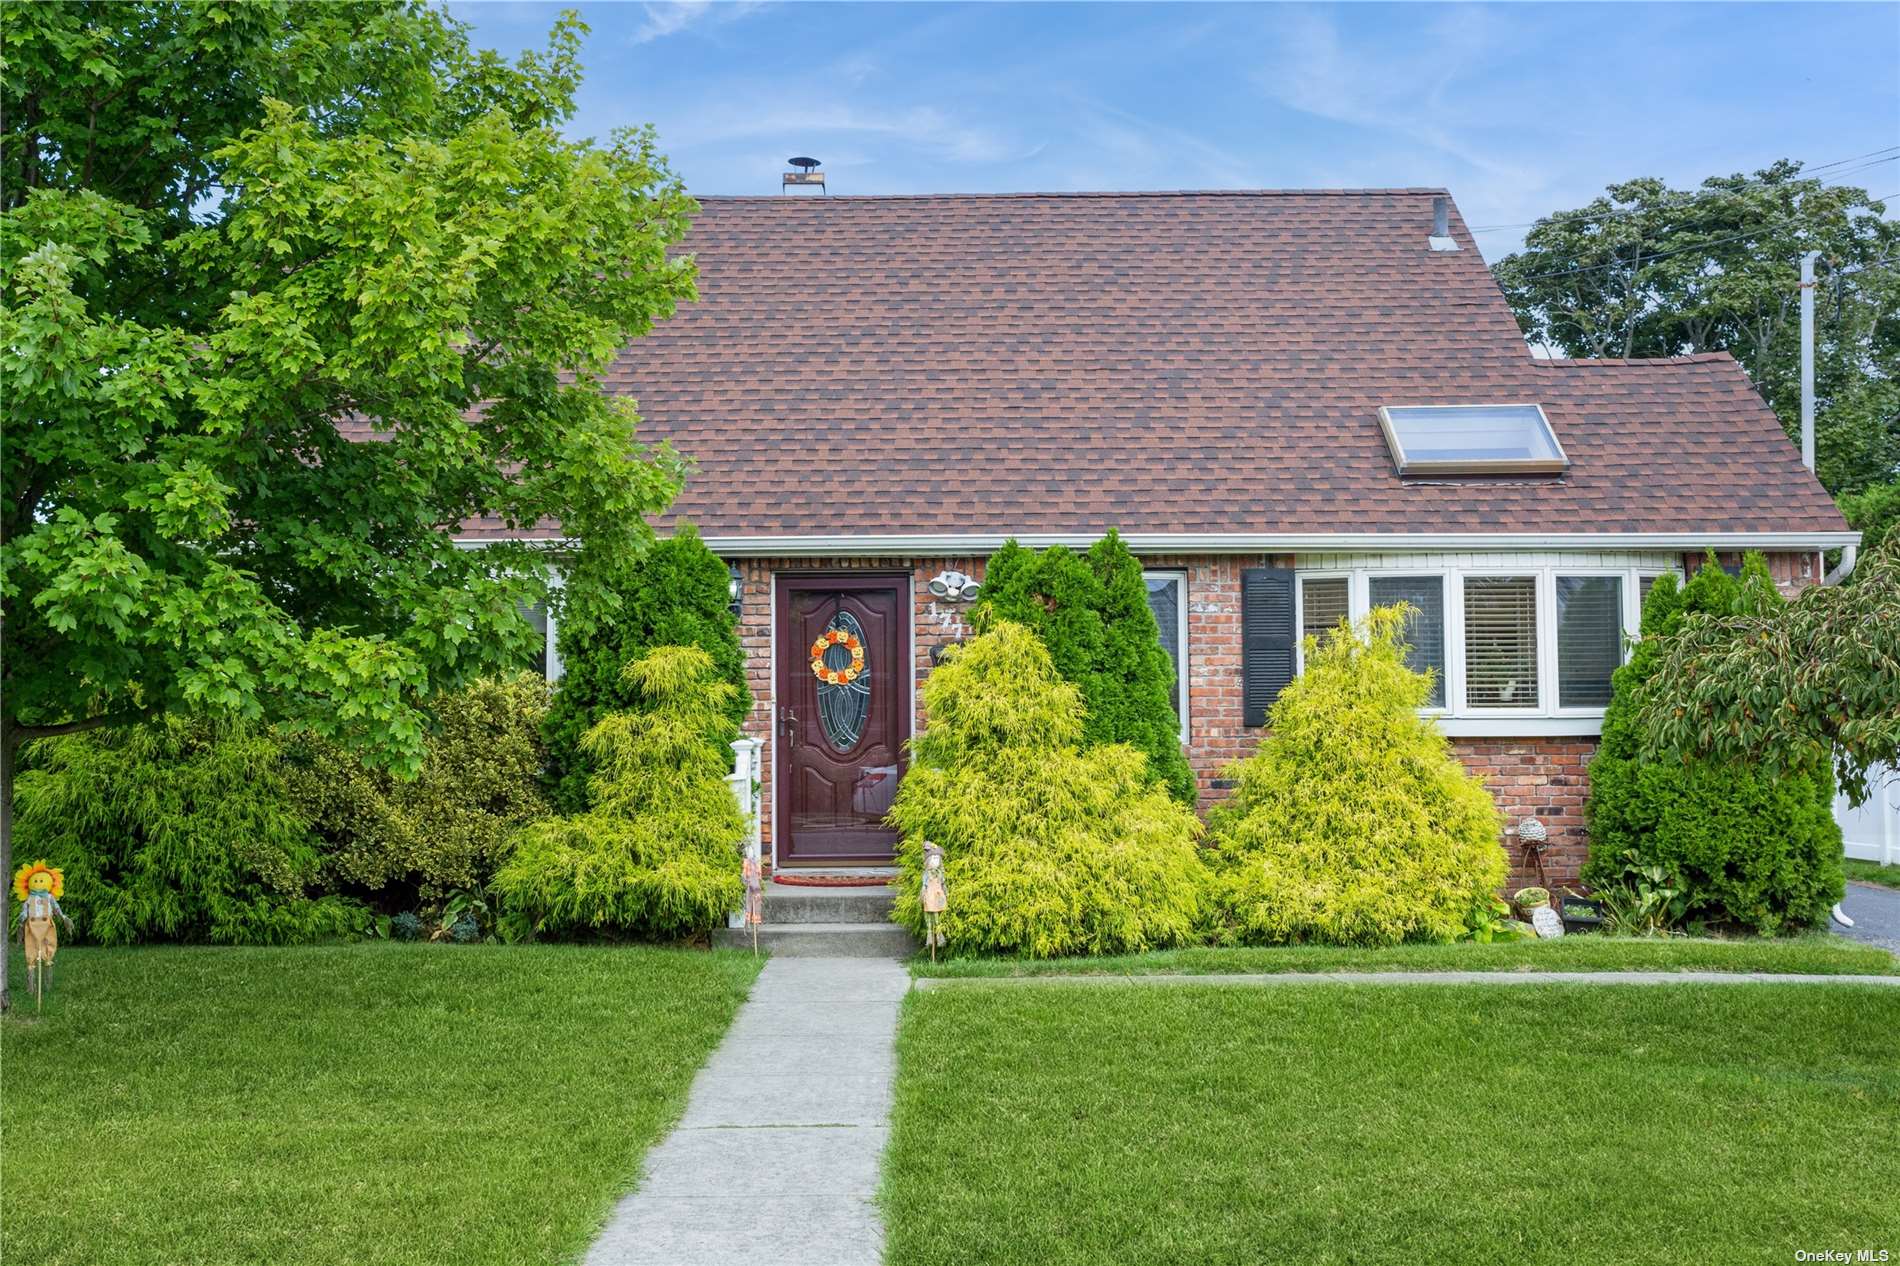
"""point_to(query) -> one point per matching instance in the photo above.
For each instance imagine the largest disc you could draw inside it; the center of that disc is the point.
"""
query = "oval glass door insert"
(840, 662)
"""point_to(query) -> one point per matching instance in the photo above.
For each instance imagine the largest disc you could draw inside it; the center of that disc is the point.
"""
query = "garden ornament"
(38, 888)
(1531, 835)
(934, 897)
(1535, 902)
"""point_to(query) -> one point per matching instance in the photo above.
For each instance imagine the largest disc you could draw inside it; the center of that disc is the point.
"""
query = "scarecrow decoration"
(753, 871)
(934, 897)
(38, 888)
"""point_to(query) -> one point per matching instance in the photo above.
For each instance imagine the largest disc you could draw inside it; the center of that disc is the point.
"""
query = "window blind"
(1501, 642)
(1323, 604)
(1589, 638)
(1425, 630)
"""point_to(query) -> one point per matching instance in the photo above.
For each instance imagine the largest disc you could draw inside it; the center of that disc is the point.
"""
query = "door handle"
(789, 723)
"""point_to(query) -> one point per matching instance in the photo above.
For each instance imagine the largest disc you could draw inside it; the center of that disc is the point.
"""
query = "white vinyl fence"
(1873, 830)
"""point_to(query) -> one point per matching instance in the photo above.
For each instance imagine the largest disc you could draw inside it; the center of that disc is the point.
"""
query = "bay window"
(1515, 644)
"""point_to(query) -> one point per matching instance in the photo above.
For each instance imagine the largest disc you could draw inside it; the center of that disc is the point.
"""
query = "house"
(1292, 404)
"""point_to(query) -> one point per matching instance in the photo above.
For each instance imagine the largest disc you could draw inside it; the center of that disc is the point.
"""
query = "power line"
(1688, 199)
(1639, 260)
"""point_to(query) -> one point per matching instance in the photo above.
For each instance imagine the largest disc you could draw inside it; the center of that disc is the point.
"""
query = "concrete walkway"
(776, 1159)
(1424, 978)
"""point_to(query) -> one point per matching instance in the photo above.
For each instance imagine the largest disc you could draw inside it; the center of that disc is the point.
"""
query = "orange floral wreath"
(837, 676)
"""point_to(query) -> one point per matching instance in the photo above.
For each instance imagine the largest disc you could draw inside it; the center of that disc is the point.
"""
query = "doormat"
(833, 881)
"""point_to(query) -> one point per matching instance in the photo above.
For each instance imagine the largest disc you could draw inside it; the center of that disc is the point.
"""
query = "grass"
(1820, 953)
(1366, 1124)
(343, 1104)
(1870, 872)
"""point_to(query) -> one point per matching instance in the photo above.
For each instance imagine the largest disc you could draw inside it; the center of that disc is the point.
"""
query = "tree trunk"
(8, 748)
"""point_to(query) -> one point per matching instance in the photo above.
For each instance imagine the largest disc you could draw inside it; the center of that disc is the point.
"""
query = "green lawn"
(1368, 1124)
(1820, 953)
(1866, 872)
(374, 1103)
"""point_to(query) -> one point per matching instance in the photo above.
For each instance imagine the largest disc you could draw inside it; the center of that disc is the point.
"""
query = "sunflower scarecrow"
(38, 888)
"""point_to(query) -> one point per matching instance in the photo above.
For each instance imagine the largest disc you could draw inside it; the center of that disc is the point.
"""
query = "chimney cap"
(806, 163)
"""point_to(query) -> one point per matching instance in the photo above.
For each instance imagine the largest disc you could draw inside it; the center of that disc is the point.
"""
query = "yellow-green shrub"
(449, 827)
(1048, 849)
(658, 853)
(1354, 823)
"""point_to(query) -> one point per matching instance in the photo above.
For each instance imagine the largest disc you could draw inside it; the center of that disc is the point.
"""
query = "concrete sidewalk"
(1422, 978)
(776, 1159)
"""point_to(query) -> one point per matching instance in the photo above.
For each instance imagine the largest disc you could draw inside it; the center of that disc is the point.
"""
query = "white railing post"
(744, 782)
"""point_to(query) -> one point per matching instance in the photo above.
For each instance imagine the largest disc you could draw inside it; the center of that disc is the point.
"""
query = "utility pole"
(1807, 357)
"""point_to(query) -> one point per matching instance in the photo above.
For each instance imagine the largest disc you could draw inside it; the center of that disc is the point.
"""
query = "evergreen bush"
(1354, 823)
(674, 594)
(1736, 846)
(1091, 612)
(658, 854)
(177, 831)
(1050, 848)
(450, 826)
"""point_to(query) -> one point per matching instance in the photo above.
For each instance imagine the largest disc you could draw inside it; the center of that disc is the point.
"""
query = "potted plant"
(1535, 905)
(1580, 913)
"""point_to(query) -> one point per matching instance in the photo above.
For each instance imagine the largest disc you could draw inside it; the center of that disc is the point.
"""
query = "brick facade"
(1537, 777)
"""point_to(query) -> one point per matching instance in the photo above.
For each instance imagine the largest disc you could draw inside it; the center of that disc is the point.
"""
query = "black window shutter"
(1266, 639)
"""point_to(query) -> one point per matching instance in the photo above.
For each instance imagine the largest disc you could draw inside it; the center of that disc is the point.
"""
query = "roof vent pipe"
(1441, 238)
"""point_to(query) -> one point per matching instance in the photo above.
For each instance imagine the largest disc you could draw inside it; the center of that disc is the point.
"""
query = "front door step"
(824, 940)
(826, 923)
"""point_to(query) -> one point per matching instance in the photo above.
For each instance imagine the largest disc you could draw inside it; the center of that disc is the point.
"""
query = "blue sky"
(1518, 109)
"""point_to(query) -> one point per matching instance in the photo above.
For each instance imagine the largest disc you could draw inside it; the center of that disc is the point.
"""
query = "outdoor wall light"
(954, 586)
(735, 587)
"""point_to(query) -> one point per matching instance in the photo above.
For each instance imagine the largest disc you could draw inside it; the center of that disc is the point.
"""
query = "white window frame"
(1428, 466)
(1181, 678)
(1457, 718)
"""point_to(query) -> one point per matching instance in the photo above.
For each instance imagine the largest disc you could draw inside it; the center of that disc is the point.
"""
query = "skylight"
(1472, 439)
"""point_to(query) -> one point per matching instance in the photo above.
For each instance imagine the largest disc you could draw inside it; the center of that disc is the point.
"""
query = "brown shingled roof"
(1161, 363)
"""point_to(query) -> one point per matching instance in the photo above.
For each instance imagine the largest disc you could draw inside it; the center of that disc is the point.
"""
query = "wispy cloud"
(669, 17)
(925, 130)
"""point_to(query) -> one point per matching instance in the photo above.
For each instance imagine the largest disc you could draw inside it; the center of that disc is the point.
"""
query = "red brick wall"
(1792, 572)
(1542, 778)
(1537, 777)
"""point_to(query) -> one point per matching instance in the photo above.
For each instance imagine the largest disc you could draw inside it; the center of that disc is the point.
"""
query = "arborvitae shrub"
(450, 826)
(1741, 847)
(658, 854)
(177, 831)
(1354, 823)
(675, 594)
(1091, 612)
(1049, 848)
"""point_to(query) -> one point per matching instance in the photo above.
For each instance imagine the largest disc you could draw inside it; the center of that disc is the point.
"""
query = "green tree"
(1786, 688)
(1738, 843)
(1646, 270)
(236, 242)
(675, 594)
(1354, 823)
(1091, 611)
(1875, 511)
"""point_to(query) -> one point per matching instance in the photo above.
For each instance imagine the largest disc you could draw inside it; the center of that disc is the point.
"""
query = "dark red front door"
(843, 697)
